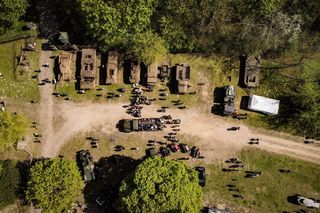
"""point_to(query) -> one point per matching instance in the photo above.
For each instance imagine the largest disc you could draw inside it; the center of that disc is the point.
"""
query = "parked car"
(308, 202)
(164, 151)
(151, 152)
(195, 152)
(184, 148)
(201, 175)
(174, 147)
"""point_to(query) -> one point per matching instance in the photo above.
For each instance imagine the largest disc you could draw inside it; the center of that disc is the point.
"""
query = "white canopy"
(263, 104)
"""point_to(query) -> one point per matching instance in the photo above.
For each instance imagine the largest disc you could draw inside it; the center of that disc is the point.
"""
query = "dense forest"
(148, 29)
(229, 27)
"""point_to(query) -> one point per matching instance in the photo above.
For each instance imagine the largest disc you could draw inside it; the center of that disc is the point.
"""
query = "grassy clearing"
(268, 192)
(109, 141)
(12, 85)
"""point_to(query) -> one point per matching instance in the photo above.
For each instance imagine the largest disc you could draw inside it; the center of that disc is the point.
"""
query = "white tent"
(263, 104)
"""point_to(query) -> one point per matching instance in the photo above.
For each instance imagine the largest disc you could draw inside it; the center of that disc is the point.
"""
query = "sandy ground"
(215, 141)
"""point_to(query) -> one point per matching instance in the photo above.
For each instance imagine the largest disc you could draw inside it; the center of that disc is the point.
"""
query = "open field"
(265, 193)
(13, 85)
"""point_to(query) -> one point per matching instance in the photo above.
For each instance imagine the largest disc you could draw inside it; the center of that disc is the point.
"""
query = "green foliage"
(161, 185)
(208, 26)
(148, 47)
(172, 20)
(113, 23)
(10, 13)
(298, 90)
(54, 185)
(12, 129)
(13, 84)
(9, 181)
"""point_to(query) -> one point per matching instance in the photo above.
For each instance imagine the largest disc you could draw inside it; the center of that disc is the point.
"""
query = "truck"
(86, 165)
(143, 124)
(228, 101)
(182, 78)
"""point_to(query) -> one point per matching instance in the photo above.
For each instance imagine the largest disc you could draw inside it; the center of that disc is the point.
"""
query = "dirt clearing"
(216, 142)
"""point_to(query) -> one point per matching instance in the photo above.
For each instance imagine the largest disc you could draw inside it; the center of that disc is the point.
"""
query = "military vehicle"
(182, 78)
(134, 75)
(87, 167)
(201, 175)
(143, 124)
(88, 69)
(65, 67)
(112, 68)
(164, 72)
(152, 74)
(228, 101)
(251, 72)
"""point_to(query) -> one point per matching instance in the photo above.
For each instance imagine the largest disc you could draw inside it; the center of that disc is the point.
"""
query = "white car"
(308, 202)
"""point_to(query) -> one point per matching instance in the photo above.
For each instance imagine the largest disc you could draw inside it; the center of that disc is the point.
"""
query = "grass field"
(13, 85)
(265, 193)
(268, 192)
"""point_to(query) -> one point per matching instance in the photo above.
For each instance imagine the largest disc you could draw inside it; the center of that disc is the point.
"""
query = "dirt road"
(46, 101)
(215, 141)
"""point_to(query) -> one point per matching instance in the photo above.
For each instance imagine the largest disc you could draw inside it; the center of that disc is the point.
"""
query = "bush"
(12, 129)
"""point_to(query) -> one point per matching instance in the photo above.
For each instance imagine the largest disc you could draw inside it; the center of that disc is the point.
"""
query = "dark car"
(201, 175)
(174, 147)
(184, 148)
(151, 152)
(195, 152)
(164, 151)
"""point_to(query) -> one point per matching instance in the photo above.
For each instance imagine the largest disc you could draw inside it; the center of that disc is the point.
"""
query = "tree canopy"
(161, 185)
(9, 181)
(10, 13)
(208, 26)
(147, 47)
(12, 129)
(113, 23)
(54, 185)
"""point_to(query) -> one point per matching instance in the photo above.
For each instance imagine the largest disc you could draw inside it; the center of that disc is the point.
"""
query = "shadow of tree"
(110, 171)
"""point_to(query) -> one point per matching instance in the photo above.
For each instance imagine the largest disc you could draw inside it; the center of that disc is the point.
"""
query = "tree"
(9, 181)
(161, 185)
(113, 23)
(173, 21)
(10, 13)
(299, 100)
(147, 47)
(54, 185)
(12, 129)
